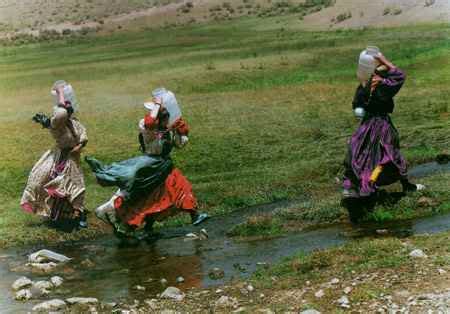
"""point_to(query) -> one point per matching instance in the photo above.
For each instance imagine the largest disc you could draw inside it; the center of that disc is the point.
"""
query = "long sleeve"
(59, 118)
(391, 84)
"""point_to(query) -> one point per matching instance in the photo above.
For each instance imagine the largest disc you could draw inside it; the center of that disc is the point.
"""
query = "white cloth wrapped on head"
(169, 102)
(69, 94)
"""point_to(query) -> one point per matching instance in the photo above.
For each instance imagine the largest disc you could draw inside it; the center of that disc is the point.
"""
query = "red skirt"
(173, 195)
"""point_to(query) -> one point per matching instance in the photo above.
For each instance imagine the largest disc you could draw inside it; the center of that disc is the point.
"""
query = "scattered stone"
(43, 285)
(250, 288)
(51, 305)
(180, 280)
(310, 311)
(43, 267)
(23, 295)
(226, 301)
(173, 293)
(163, 281)
(239, 310)
(334, 281)
(347, 290)
(152, 304)
(204, 233)
(140, 288)
(441, 271)
(192, 236)
(22, 282)
(344, 302)
(79, 300)
(319, 294)
(219, 291)
(216, 273)
(47, 256)
(417, 253)
(56, 281)
(382, 231)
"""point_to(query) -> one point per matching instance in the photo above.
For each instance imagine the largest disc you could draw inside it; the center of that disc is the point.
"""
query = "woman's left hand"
(376, 79)
(77, 149)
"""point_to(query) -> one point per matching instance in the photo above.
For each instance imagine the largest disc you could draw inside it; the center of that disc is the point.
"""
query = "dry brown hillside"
(33, 16)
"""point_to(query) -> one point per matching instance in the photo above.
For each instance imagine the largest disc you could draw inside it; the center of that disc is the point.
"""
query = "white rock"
(204, 233)
(22, 282)
(239, 310)
(219, 291)
(23, 295)
(51, 305)
(441, 271)
(250, 288)
(47, 255)
(79, 300)
(163, 281)
(310, 311)
(344, 301)
(319, 294)
(180, 280)
(334, 281)
(140, 288)
(43, 285)
(44, 267)
(417, 253)
(56, 281)
(192, 236)
(347, 290)
(226, 301)
(173, 293)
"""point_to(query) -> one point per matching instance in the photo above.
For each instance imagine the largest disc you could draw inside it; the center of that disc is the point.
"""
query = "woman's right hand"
(384, 61)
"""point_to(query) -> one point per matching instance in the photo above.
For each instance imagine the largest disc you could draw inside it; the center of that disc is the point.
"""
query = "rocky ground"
(42, 18)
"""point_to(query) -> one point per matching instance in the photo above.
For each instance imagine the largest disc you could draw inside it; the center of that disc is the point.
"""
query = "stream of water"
(102, 269)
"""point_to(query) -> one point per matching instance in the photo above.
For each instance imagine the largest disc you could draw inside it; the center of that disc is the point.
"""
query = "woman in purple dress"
(374, 157)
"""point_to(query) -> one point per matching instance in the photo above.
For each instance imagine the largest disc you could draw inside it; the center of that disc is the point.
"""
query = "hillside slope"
(30, 16)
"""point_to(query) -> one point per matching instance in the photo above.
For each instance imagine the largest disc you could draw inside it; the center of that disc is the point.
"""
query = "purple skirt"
(375, 143)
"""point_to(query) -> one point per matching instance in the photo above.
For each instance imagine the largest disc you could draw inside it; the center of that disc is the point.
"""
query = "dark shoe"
(199, 218)
(83, 221)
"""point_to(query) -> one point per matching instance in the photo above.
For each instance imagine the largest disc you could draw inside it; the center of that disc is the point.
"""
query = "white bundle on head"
(69, 94)
(367, 63)
(169, 102)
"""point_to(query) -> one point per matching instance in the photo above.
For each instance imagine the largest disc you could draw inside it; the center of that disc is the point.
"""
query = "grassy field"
(269, 108)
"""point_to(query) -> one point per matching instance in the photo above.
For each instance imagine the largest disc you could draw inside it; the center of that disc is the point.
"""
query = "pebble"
(180, 279)
(173, 293)
(56, 281)
(51, 305)
(334, 281)
(79, 300)
(319, 294)
(216, 273)
(23, 295)
(22, 282)
(417, 253)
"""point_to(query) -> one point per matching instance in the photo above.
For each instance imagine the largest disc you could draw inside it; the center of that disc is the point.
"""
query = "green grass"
(269, 119)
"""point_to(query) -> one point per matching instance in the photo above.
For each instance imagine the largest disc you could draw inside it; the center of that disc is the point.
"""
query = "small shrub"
(429, 3)
(397, 11)
(343, 16)
(387, 11)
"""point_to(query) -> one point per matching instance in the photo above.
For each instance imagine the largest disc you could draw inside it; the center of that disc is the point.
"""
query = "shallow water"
(110, 273)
